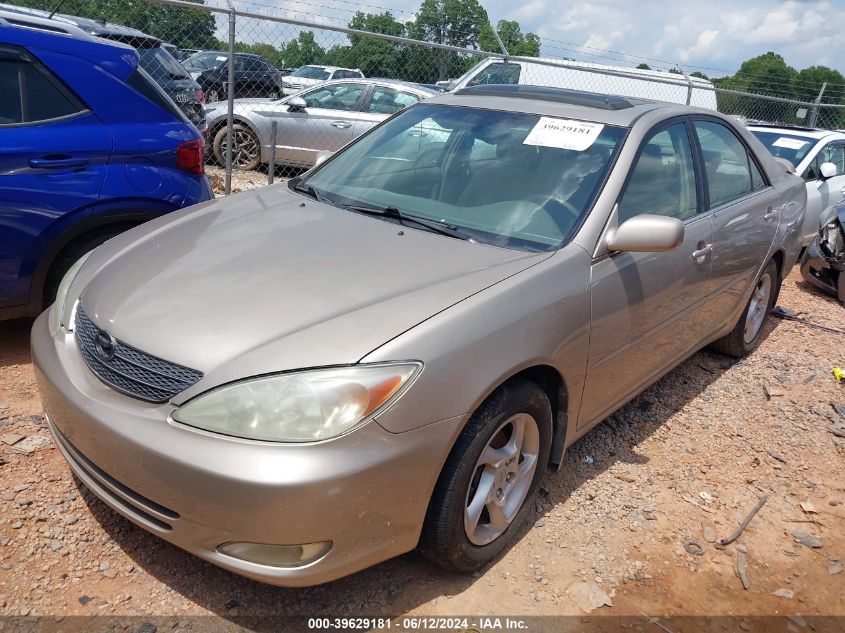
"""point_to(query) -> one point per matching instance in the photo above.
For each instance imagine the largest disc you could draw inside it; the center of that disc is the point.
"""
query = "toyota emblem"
(104, 343)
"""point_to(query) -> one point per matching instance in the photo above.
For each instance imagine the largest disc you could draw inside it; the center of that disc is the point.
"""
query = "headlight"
(305, 406)
(54, 319)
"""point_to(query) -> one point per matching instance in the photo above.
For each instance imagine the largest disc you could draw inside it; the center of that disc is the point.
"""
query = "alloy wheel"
(758, 306)
(501, 479)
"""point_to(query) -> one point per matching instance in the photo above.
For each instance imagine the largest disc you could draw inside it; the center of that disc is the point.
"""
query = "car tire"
(449, 538)
(748, 332)
(247, 147)
(71, 254)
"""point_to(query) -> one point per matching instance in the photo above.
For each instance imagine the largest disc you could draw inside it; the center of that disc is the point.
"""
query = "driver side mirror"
(296, 104)
(828, 170)
(647, 234)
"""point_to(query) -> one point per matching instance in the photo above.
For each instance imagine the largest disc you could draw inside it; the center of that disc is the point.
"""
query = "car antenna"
(58, 6)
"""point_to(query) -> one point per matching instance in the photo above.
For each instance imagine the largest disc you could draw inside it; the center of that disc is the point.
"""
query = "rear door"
(745, 211)
(326, 123)
(53, 156)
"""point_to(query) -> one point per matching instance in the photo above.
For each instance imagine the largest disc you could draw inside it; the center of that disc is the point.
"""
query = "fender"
(66, 234)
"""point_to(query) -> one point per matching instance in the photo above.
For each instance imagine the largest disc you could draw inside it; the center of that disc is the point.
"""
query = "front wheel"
(487, 487)
(746, 335)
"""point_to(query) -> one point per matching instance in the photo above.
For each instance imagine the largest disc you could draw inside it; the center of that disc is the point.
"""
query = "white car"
(818, 157)
(311, 75)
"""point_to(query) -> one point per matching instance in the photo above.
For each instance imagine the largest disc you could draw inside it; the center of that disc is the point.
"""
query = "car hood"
(268, 280)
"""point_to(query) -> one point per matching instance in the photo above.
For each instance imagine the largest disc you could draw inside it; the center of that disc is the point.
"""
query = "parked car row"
(310, 123)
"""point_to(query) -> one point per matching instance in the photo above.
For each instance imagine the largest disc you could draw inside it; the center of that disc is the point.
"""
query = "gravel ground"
(688, 459)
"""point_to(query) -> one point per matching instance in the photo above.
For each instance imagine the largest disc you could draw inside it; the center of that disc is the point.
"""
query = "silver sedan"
(299, 381)
(313, 122)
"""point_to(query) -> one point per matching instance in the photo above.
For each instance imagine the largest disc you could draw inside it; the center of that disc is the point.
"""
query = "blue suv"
(90, 146)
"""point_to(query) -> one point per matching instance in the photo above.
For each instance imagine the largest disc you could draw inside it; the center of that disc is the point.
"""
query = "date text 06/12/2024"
(421, 623)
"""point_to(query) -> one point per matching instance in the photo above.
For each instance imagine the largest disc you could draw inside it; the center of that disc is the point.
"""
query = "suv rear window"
(160, 65)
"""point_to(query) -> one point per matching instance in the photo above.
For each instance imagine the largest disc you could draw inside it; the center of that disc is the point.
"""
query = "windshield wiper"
(443, 228)
(312, 191)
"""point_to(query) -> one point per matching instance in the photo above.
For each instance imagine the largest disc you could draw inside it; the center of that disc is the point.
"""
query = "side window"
(498, 73)
(240, 64)
(812, 172)
(338, 97)
(833, 153)
(757, 180)
(388, 101)
(662, 181)
(28, 95)
(726, 163)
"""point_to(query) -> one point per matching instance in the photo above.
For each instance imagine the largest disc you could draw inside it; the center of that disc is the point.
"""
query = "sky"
(713, 36)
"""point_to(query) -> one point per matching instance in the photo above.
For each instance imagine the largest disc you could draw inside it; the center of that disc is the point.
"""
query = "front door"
(325, 124)
(649, 310)
(823, 192)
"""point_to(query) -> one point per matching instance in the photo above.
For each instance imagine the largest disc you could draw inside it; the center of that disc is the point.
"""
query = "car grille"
(129, 370)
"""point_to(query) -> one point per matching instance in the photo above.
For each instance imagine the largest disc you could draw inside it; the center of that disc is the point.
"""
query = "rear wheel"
(246, 148)
(487, 487)
(71, 254)
(746, 335)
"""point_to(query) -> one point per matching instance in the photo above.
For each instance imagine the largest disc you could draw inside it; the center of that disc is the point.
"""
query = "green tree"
(516, 42)
(453, 22)
(808, 85)
(644, 67)
(375, 57)
(302, 50)
(186, 28)
(766, 74)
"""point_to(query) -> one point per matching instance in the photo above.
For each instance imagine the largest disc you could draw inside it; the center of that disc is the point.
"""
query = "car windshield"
(789, 146)
(205, 61)
(160, 64)
(509, 179)
(311, 72)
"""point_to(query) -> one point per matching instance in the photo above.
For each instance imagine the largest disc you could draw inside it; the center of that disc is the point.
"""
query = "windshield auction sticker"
(563, 134)
(789, 143)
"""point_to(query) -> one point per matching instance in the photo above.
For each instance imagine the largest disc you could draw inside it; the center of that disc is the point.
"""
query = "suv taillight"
(190, 156)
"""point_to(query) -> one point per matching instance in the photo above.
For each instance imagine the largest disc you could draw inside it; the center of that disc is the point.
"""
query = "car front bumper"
(365, 492)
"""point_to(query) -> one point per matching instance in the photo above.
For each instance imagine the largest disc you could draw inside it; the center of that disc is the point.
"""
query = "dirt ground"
(687, 460)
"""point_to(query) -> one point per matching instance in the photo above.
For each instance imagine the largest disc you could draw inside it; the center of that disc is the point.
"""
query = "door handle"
(771, 214)
(700, 255)
(68, 162)
(341, 124)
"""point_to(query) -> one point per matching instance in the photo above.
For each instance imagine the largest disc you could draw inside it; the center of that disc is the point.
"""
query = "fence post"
(271, 171)
(501, 43)
(230, 95)
(814, 113)
(689, 83)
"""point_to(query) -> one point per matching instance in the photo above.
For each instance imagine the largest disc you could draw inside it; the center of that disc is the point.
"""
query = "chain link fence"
(285, 88)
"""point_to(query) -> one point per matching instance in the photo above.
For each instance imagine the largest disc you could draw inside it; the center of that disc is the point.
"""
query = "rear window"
(498, 73)
(160, 65)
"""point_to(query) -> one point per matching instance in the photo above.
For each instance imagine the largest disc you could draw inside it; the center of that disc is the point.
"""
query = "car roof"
(331, 68)
(99, 28)
(560, 103)
(393, 83)
(791, 130)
